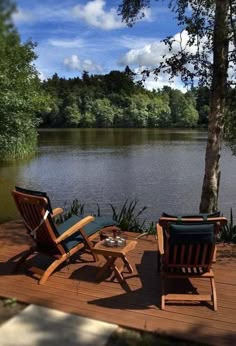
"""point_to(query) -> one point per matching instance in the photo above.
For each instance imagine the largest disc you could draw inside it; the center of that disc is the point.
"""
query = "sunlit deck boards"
(73, 289)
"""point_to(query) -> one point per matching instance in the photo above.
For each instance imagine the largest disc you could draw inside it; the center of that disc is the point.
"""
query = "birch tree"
(207, 57)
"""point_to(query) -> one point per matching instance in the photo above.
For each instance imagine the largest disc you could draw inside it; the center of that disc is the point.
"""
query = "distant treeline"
(116, 100)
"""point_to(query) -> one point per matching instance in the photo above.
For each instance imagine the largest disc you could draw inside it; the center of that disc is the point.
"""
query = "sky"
(73, 36)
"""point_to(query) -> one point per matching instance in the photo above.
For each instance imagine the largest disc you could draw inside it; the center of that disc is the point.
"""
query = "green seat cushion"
(93, 227)
(192, 233)
(105, 221)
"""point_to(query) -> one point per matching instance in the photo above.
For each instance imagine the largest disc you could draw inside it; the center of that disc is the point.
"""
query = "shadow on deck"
(136, 305)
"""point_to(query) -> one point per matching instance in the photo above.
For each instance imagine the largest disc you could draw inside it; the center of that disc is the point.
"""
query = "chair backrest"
(33, 206)
(190, 242)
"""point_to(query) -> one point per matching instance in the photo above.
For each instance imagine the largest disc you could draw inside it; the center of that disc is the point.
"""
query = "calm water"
(163, 169)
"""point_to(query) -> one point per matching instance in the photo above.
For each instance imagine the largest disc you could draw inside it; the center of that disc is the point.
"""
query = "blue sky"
(73, 36)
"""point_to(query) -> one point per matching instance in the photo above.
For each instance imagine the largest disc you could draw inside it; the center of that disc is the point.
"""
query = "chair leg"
(214, 255)
(51, 269)
(90, 247)
(214, 297)
(158, 262)
(162, 292)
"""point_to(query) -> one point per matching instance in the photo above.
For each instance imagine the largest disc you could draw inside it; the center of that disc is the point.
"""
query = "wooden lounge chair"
(59, 242)
(187, 248)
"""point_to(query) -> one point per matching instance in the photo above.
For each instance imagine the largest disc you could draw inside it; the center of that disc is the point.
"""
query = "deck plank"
(73, 289)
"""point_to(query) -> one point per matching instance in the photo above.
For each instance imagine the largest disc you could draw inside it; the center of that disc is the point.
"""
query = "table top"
(101, 248)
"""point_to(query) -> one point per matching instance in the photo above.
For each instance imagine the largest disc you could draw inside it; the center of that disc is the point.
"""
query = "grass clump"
(228, 232)
(76, 208)
(126, 337)
(129, 217)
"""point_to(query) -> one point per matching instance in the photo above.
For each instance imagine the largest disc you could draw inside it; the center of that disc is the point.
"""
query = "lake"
(162, 169)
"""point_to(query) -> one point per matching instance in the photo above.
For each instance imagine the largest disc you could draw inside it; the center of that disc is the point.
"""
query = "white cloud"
(151, 54)
(133, 42)
(43, 13)
(74, 63)
(151, 83)
(93, 13)
(148, 54)
(75, 43)
(41, 75)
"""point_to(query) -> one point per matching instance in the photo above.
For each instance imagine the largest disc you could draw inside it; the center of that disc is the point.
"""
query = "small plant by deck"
(228, 232)
(76, 208)
(128, 216)
(9, 307)
(128, 337)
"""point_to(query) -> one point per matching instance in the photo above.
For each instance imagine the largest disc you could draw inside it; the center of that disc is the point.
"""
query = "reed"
(129, 217)
(228, 232)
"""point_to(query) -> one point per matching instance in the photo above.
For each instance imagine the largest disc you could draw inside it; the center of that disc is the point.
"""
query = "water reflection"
(115, 137)
(163, 169)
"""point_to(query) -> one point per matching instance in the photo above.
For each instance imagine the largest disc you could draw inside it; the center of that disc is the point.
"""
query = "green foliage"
(228, 232)
(190, 55)
(151, 229)
(104, 112)
(76, 208)
(115, 100)
(10, 302)
(128, 216)
(202, 97)
(159, 112)
(230, 120)
(183, 108)
(20, 91)
(72, 115)
(128, 337)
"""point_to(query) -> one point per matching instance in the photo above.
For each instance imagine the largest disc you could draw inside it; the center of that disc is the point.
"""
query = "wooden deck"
(73, 289)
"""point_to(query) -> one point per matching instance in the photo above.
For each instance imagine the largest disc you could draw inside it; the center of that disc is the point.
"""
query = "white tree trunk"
(210, 188)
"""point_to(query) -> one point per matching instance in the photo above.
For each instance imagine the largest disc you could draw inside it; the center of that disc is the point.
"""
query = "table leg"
(127, 264)
(118, 274)
(108, 265)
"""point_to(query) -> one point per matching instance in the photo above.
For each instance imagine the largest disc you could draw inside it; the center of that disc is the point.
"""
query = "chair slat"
(196, 260)
(190, 248)
(204, 254)
(182, 254)
(175, 254)
(34, 207)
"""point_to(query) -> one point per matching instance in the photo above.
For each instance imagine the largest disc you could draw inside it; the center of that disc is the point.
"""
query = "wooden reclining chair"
(187, 248)
(59, 242)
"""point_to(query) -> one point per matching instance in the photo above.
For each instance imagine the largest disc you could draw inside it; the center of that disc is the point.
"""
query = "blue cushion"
(192, 233)
(105, 221)
(94, 226)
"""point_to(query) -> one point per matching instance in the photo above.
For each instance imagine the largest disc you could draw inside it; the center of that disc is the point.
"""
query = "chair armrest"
(56, 212)
(75, 228)
(160, 239)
